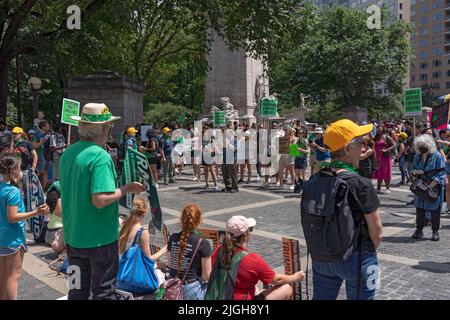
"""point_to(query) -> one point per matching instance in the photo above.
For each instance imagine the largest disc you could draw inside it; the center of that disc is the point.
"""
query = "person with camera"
(429, 167)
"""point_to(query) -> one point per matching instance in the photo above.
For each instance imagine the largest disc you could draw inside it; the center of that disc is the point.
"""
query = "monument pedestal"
(124, 97)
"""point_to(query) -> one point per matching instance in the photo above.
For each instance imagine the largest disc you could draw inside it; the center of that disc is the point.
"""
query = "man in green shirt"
(89, 196)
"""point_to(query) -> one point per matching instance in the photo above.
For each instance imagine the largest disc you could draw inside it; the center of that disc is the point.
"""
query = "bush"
(168, 114)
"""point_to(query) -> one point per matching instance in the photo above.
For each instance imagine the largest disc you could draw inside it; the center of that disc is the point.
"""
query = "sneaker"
(156, 186)
(417, 235)
(285, 181)
(435, 236)
(292, 187)
(380, 192)
(206, 187)
(166, 183)
(195, 179)
(176, 170)
(388, 191)
(410, 202)
(248, 181)
(172, 181)
(240, 181)
(258, 179)
(280, 186)
(216, 188)
(270, 180)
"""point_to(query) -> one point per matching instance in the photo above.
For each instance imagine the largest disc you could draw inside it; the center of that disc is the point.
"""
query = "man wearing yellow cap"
(26, 149)
(131, 138)
(341, 206)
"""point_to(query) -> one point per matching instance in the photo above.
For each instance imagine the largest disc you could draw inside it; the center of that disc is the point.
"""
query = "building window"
(423, 77)
(437, 4)
(423, 43)
(437, 40)
(425, 9)
(413, 13)
(423, 54)
(436, 63)
(447, 84)
(437, 27)
(437, 16)
(401, 6)
(435, 85)
(413, 78)
(423, 65)
(436, 75)
(448, 73)
(424, 20)
(424, 32)
(400, 16)
(437, 51)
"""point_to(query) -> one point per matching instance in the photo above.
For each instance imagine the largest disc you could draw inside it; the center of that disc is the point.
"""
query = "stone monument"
(235, 75)
(124, 97)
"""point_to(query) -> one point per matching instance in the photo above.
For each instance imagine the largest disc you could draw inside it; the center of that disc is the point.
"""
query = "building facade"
(431, 40)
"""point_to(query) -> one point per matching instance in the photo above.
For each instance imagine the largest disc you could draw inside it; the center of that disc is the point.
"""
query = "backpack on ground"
(330, 229)
(221, 281)
(173, 288)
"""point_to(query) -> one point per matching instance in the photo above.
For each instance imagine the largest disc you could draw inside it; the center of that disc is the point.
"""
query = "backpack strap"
(192, 259)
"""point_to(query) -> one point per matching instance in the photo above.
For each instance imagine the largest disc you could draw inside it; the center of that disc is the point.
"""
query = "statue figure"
(230, 113)
(302, 108)
(260, 91)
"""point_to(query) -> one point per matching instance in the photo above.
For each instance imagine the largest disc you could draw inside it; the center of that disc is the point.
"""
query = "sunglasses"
(250, 229)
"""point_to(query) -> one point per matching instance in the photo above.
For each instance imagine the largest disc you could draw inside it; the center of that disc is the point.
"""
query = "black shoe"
(234, 190)
(435, 236)
(284, 181)
(410, 202)
(172, 181)
(240, 181)
(417, 235)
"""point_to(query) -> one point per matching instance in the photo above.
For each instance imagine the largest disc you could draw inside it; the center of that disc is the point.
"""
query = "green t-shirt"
(302, 143)
(86, 169)
(38, 150)
(312, 137)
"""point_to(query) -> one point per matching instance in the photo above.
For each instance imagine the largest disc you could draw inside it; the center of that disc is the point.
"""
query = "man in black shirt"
(26, 150)
(344, 139)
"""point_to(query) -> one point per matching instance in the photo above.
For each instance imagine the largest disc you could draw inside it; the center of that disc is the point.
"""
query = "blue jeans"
(195, 290)
(403, 169)
(328, 277)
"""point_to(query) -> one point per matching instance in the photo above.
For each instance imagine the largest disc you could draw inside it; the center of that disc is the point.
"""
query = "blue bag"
(136, 271)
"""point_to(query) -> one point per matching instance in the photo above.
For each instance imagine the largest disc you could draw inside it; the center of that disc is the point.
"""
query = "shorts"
(8, 251)
(285, 160)
(301, 164)
(152, 161)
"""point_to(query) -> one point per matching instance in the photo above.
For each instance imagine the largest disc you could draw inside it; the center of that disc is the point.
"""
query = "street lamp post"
(35, 84)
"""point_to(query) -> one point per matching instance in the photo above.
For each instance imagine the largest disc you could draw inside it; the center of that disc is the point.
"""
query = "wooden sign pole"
(69, 134)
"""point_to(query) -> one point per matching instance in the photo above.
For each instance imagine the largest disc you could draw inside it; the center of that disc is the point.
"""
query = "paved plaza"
(410, 269)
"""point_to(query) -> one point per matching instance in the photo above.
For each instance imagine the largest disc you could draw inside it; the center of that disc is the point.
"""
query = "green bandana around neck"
(340, 165)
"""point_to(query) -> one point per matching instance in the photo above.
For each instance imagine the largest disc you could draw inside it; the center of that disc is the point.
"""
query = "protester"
(151, 151)
(312, 152)
(322, 153)
(6, 143)
(301, 161)
(39, 139)
(12, 226)
(251, 268)
(167, 156)
(30, 135)
(401, 158)
(58, 145)
(445, 141)
(4, 128)
(229, 158)
(91, 219)
(243, 153)
(427, 159)
(131, 226)
(210, 162)
(353, 227)
(25, 149)
(383, 146)
(181, 247)
(367, 160)
(196, 154)
(286, 162)
(54, 233)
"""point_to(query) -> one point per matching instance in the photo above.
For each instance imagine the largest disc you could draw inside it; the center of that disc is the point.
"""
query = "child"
(54, 235)
(12, 226)
(132, 225)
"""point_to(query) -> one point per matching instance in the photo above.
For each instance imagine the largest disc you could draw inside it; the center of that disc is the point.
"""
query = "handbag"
(421, 185)
(58, 244)
(173, 289)
(136, 272)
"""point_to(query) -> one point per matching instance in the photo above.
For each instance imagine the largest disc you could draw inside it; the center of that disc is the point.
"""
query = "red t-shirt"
(252, 269)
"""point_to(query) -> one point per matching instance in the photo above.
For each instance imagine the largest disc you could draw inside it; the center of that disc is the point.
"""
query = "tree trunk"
(3, 89)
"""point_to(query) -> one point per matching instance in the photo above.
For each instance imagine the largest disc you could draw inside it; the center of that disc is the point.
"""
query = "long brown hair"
(190, 219)
(230, 247)
(139, 209)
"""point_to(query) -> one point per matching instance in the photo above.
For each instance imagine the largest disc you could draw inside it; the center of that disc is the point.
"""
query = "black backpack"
(330, 229)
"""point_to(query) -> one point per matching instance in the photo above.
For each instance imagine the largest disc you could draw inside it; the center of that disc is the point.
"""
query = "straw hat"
(95, 113)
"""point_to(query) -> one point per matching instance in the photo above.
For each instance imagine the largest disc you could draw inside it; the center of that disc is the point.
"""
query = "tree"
(22, 23)
(340, 60)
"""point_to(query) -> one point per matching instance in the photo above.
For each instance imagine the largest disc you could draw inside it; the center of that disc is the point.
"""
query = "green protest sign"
(70, 108)
(219, 119)
(268, 107)
(413, 102)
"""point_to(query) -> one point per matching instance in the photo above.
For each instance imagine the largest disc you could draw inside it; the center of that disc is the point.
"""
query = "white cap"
(238, 225)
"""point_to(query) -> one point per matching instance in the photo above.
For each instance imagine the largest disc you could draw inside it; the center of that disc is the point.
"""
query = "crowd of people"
(82, 201)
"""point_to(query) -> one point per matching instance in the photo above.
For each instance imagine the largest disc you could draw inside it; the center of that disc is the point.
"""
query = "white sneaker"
(387, 191)
(292, 187)
(156, 186)
(258, 179)
(216, 188)
(195, 179)
(270, 180)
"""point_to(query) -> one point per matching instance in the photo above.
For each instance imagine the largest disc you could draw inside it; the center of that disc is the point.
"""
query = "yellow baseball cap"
(166, 130)
(403, 135)
(131, 130)
(341, 132)
(17, 130)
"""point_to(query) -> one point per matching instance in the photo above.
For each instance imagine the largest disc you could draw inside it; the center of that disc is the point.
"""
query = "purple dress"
(385, 170)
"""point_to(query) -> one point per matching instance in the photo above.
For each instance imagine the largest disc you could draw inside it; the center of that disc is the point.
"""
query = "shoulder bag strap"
(137, 236)
(192, 259)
